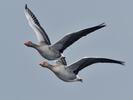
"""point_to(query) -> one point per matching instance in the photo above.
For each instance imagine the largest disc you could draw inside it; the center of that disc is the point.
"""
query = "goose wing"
(69, 39)
(61, 61)
(84, 62)
(35, 25)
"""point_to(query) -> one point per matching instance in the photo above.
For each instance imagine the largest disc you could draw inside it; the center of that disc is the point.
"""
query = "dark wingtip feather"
(102, 25)
(122, 63)
(26, 6)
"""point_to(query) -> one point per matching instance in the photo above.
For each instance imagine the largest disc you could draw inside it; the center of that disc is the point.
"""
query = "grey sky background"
(21, 77)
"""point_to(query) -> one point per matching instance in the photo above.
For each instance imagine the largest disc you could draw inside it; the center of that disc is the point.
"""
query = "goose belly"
(65, 76)
(49, 54)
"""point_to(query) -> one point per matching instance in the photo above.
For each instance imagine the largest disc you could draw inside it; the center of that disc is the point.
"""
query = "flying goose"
(69, 73)
(45, 48)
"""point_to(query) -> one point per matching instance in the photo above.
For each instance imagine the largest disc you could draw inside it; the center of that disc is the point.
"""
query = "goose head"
(30, 44)
(45, 64)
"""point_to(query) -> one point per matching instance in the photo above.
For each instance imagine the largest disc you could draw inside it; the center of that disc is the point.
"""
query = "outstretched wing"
(35, 25)
(69, 39)
(84, 62)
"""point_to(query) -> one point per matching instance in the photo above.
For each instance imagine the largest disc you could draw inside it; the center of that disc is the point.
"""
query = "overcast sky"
(21, 77)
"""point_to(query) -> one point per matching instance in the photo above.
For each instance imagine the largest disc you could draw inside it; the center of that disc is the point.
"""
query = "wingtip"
(122, 63)
(103, 25)
(26, 6)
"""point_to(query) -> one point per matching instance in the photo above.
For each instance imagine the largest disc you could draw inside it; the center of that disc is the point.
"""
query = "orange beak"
(26, 43)
(42, 63)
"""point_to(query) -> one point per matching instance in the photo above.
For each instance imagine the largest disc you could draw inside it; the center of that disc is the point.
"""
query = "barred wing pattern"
(35, 25)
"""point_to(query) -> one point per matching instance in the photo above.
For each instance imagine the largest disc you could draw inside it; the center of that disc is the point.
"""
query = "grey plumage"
(69, 73)
(84, 62)
(69, 39)
(61, 61)
(36, 25)
(45, 48)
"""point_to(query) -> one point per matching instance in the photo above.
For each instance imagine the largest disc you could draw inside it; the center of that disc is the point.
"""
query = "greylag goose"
(46, 50)
(69, 73)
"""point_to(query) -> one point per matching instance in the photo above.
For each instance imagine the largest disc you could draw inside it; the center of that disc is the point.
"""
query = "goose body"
(70, 73)
(48, 53)
(61, 72)
(45, 48)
